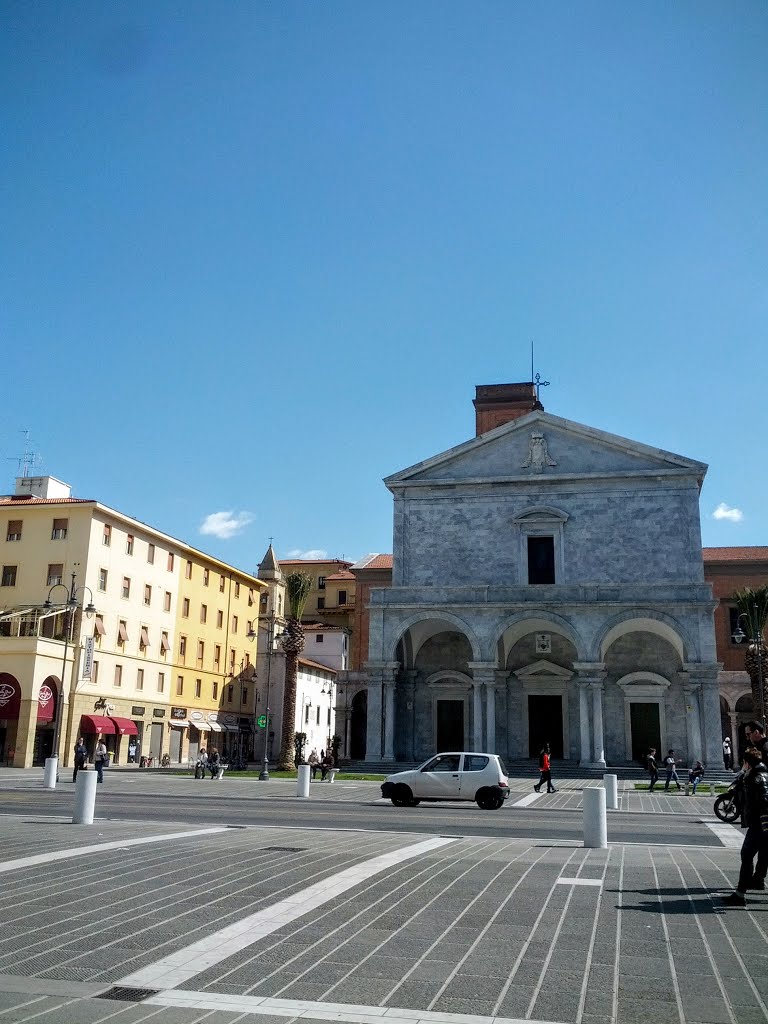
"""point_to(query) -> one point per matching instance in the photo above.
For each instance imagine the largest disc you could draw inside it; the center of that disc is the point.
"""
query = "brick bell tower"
(496, 404)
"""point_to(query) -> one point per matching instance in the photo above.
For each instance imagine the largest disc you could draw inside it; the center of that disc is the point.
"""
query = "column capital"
(704, 672)
(589, 672)
(385, 670)
(483, 671)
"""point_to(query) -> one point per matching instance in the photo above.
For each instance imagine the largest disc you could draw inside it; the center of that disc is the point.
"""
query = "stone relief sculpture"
(538, 455)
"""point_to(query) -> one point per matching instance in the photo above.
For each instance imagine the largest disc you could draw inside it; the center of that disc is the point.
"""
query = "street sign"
(261, 721)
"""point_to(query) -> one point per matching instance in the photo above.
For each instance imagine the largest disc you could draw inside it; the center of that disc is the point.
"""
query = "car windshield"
(443, 763)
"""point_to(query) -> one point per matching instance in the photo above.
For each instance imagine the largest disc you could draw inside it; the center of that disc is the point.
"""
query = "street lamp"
(329, 692)
(738, 637)
(251, 635)
(70, 605)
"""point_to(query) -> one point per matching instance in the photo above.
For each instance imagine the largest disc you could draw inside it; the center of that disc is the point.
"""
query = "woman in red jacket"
(545, 768)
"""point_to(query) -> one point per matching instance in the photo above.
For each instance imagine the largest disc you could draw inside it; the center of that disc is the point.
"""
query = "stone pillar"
(25, 734)
(585, 754)
(590, 676)
(705, 676)
(734, 734)
(692, 695)
(389, 720)
(598, 742)
(380, 709)
(484, 677)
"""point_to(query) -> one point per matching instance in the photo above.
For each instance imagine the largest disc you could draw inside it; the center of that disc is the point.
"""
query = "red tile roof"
(374, 561)
(322, 626)
(316, 664)
(31, 499)
(344, 574)
(756, 554)
(313, 561)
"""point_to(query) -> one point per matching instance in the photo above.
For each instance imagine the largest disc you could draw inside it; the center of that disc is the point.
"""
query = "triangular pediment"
(540, 447)
(539, 669)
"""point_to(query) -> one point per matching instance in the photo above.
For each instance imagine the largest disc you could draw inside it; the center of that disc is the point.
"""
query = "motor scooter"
(728, 806)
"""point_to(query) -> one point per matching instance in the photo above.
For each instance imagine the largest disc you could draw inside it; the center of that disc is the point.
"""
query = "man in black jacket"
(756, 738)
(756, 820)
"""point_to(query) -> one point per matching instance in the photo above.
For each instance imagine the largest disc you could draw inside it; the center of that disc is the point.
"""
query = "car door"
(439, 778)
(476, 772)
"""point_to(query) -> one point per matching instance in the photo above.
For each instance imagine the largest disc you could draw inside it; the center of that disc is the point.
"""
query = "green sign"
(261, 721)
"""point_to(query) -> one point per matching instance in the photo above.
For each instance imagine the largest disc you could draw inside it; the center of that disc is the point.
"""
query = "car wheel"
(413, 802)
(402, 796)
(484, 800)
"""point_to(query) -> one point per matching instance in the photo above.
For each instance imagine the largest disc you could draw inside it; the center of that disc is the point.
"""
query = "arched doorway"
(10, 703)
(358, 726)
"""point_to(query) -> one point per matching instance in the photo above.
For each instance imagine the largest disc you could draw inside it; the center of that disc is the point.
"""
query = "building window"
(232, 661)
(103, 577)
(188, 570)
(185, 608)
(167, 601)
(126, 591)
(106, 538)
(318, 717)
(206, 577)
(342, 597)
(59, 531)
(118, 675)
(139, 678)
(214, 691)
(329, 716)
(541, 560)
(234, 623)
(151, 554)
(170, 561)
(263, 604)
(198, 687)
(321, 582)
(217, 657)
(147, 594)
(230, 693)
(164, 644)
(9, 576)
(319, 638)
(219, 619)
(237, 590)
(250, 599)
(129, 544)
(320, 603)
(221, 584)
(14, 530)
(182, 647)
(55, 574)
(306, 714)
(122, 633)
(95, 672)
(179, 685)
(244, 696)
(200, 653)
(98, 628)
(733, 623)
(160, 682)
(144, 638)
(203, 612)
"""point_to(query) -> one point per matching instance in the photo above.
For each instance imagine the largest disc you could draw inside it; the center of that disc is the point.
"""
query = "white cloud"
(225, 524)
(723, 511)
(314, 554)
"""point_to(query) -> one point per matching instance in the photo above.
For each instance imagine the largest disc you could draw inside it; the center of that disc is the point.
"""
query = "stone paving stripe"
(526, 801)
(727, 834)
(668, 942)
(321, 1011)
(562, 880)
(82, 851)
(184, 964)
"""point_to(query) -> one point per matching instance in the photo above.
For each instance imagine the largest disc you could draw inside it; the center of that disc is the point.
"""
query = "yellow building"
(332, 598)
(110, 627)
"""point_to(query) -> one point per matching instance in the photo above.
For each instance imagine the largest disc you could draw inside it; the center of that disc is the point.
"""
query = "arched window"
(540, 544)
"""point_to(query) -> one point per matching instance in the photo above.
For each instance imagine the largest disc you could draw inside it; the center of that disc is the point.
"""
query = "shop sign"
(137, 712)
(10, 699)
(88, 658)
(158, 713)
(179, 713)
(46, 704)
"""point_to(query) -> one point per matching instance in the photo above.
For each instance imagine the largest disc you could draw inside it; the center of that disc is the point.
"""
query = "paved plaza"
(131, 921)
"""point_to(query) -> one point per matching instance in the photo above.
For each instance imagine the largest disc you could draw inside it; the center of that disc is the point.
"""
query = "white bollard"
(611, 783)
(50, 772)
(595, 819)
(332, 772)
(302, 782)
(85, 797)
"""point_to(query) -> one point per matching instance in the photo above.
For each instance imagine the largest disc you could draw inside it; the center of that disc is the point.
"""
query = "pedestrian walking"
(545, 770)
(81, 756)
(652, 767)
(670, 766)
(756, 819)
(202, 764)
(214, 762)
(695, 775)
(100, 759)
(132, 751)
(756, 737)
(727, 754)
(313, 761)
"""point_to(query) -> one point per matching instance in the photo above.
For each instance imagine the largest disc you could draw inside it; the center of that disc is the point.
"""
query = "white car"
(451, 776)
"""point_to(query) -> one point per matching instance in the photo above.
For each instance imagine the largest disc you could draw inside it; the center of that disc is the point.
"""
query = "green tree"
(753, 612)
(297, 588)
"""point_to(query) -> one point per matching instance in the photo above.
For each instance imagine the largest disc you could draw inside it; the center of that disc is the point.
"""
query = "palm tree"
(753, 611)
(297, 588)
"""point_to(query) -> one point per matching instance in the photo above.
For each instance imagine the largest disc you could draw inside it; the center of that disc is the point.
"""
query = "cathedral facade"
(547, 586)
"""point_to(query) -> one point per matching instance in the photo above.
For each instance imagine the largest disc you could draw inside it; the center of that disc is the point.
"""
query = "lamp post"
(251, 635)
(738, 636)
(70, 605)
(329, 691)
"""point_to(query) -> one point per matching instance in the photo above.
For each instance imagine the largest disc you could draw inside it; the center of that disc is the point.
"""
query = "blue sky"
(256, 255)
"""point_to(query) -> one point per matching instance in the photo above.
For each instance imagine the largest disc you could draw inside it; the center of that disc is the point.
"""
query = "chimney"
(496, 404)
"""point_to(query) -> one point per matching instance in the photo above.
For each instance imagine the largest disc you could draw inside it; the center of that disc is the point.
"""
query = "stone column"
(692, 695)
(705, 676)
(389, 720)
(484, 676)
(379, 674)
(590, 676)
(585, 753)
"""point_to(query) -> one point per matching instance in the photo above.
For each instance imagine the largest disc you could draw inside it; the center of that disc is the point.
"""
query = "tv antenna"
(29, 459)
